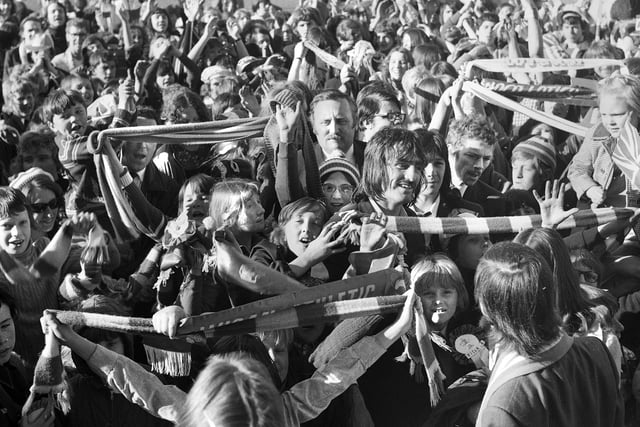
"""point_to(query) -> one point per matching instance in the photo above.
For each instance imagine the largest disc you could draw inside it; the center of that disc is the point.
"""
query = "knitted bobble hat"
(286, 98)
(23, 179)
(339, 164)
(540, 148)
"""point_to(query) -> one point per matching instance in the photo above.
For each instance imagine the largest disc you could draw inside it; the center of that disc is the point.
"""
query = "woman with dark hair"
(397, 62)
(427, 94)
(534, 363)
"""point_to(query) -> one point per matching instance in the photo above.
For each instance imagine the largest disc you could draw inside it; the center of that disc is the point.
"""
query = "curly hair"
(470, 127)
(177, 98)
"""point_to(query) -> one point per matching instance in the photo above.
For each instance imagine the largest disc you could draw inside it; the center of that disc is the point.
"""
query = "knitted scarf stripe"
(535, 91)
(326, 57)
(190, 133)
(378, 284)
(293, 317)
(494, 98)
(540, 65)
(507, 224)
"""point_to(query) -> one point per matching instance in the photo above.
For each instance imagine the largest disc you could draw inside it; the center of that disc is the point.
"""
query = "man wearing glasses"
(378, 109)
(71, 59)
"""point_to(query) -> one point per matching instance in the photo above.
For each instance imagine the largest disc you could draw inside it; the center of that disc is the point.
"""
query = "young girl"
(445, 301)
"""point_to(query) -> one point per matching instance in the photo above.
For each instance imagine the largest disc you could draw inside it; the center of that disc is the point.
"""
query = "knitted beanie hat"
(339, 164)
(286, 98)
(540, 148)
(218, 72)
(22, 180)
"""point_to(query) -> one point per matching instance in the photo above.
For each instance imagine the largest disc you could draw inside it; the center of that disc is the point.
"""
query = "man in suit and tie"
(471, 142)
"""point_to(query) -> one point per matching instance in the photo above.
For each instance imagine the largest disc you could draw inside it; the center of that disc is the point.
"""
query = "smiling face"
(7, 334)
(404, 177)
(15, 233)
(159, 22)
(5, 8)
(337, 190)
(302, 229)
(44, 209)
(614, 113)
(398, 65)
(334, 126)
(471, 158)
(72, 123)
(439, 305)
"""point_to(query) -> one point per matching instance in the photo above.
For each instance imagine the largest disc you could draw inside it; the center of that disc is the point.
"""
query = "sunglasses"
(395, 118)
(41, 207)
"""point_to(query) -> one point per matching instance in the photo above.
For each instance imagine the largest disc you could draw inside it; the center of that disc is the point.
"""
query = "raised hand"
(326, 244)
(373, 232)
(552, 206)
(233, 29)
(287, 119)
(192, 8)
(145, 9)
(81, 223)
(249, 101)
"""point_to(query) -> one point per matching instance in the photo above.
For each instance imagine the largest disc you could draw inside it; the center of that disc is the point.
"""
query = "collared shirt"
(456, 182)
(322, 156)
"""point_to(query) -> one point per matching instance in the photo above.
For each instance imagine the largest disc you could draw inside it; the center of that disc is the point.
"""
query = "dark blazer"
(161, 190)
(488, 198)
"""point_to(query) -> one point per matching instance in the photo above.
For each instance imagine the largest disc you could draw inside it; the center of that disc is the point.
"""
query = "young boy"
(36, 289)
(66, 115)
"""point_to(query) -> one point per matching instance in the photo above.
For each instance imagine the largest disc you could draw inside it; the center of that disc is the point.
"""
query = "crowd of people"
(369, 115)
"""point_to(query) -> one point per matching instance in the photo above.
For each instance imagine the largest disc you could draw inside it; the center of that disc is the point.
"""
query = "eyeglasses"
(346, 189)
(395, 118)
(41, 207)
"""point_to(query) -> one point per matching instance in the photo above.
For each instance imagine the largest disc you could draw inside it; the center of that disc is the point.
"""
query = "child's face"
(44, 208)
(337, 190)
(72, 123)
(159, 22)
(471, 248)
(279, 353)
(195, 204)
(302, 229)
(86, 90)
(7, 334)
(40, 158)
(524, 173)
(251, 216)
(614, 112)
(15, 233)
(105, 71)
(439, 304)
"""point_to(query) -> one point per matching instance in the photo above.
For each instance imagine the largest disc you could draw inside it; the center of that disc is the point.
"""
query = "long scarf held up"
(540, 65)
(494, 98)
(626, 154)
(126, 225)
(507, 224)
